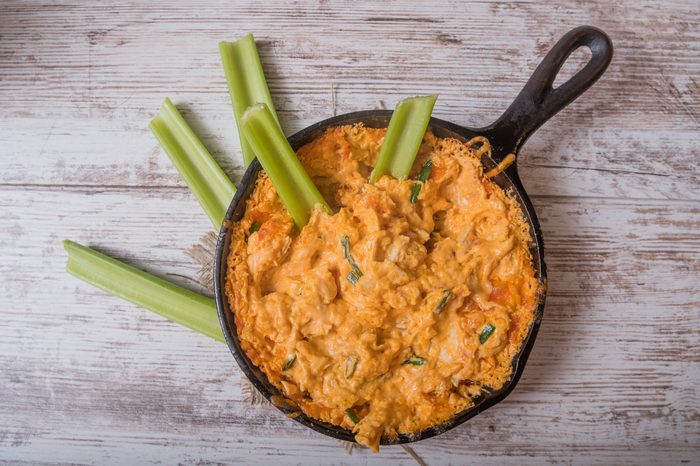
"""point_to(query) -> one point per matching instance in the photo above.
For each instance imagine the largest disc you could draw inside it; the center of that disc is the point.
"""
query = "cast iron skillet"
(535, 104)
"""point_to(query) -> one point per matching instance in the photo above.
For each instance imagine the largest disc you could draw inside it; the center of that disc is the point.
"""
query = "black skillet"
(535, 104)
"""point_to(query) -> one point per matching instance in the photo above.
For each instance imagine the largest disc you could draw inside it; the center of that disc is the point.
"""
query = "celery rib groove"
(403, 137)
(173, 302)
(281, 164)
(208, 182)
(246, 83)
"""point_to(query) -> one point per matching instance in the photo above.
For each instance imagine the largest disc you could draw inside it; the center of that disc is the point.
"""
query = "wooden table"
(87, 378)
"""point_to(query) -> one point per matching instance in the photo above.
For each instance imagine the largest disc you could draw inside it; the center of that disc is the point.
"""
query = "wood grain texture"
(88, 379)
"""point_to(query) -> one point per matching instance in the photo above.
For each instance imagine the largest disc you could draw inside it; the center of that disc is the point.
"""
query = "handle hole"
(575, 63)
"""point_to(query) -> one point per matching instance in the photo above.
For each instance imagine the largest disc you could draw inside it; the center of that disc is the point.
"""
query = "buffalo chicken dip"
(392, 313)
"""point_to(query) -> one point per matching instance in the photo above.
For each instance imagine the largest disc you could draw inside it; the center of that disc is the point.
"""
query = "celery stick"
(246, 83)
(291, 181)
(403, 137)
(206, 179)
(155, 294)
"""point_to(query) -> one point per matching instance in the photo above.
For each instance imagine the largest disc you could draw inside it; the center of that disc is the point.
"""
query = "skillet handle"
(538, 101)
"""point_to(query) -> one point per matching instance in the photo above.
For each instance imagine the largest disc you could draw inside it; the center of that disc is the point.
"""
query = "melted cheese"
(329, 344)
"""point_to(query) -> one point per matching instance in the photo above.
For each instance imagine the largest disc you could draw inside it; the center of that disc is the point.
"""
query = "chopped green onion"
(345, 242)
(246, 83)
(486, 333)
(356, 273)
(255, 226)
(287, 174)
(350, 366)
(441, 305)
(403, 137)
(206, 179)
(354, 276)
(352, 415)
(422, 176)
(414, 361)
(415, 191)
(155, 294)
(425, 171)
(290, 362)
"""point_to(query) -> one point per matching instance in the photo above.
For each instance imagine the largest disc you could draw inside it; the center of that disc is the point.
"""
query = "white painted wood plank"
(89, 379)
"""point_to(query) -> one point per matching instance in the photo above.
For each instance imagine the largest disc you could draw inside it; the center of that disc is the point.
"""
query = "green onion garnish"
(255, 226)
(414, 360)
(290, 362)
(354, 276)
(206, 179)
(486, 333)
(155, 294)
(425, 171)
(415, 191)
(422, 176)
(291, 181)
(352, 415)
(441, 305)
(356, 273)
(346, 249)
(246, 83)
(403, 137)
(350, 365)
